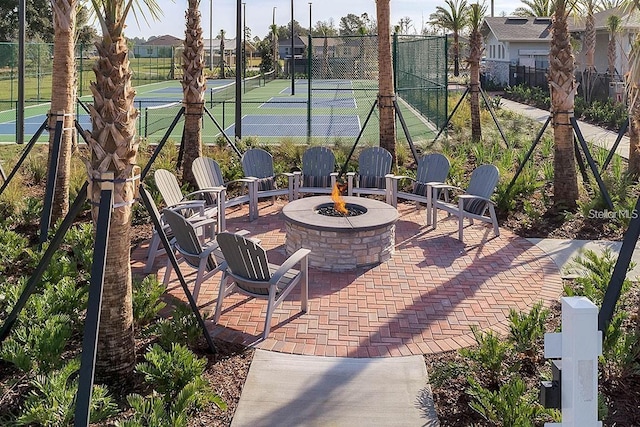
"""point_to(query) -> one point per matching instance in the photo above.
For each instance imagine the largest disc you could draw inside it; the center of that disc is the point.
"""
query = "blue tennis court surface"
(287, 102)
(283, 126)
(32, 124)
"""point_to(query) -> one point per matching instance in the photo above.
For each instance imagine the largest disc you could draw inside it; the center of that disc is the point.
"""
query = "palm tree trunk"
(193, 86)
(114, 147)
(456, 54)
(563, 88)
(386, 94)
(634, 134)
(63, 95)
(475, 54)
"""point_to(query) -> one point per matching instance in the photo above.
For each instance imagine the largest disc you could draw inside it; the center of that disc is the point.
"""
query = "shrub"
(510, 406)
(179, 388)
(489, 355)
(525, 329)
(146, 299)
(51, 402)
(182, 328)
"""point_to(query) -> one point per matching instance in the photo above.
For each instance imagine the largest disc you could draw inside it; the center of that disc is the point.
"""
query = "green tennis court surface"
(337, 109)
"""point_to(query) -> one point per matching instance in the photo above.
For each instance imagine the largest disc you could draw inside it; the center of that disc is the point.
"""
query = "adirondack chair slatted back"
(207, 173)
(317, 165)
(431, 168)
(246, 260)
(482, 183)
(168, 186)
(186, 239)
(373, 164)
(258, 163)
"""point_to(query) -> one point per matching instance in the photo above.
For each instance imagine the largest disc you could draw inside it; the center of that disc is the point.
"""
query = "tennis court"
(336, 109)
(297, 126)
(284, 102)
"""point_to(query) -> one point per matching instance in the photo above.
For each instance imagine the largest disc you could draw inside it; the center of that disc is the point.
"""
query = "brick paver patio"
(423, 300)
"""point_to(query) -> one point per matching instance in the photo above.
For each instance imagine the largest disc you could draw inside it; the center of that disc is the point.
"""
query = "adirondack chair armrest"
(215, 190)
(288, 175)
(472, 197)
(351, 174)
(295, 258)
(442, 186)
(199, 221)
(242, 182)
(187, 204)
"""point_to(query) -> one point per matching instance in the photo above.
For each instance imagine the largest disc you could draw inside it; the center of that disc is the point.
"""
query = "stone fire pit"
(341, 243)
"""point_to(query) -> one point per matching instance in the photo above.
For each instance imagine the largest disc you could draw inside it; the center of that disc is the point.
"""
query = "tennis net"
(251, 83)
(160, 117)
(269, 76)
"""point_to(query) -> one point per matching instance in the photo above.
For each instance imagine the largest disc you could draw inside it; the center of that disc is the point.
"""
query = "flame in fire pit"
(338, 202)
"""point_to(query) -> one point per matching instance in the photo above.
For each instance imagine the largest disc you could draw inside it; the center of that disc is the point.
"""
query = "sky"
(259, 14)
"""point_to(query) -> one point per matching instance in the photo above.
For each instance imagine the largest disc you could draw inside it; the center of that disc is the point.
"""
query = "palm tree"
(114, 147)
(385, 79)
(614, 25)
(633, 92)
(63, 95)
(476, 14)
(535, 8)
(589, 7)
(453, 18)
(562, 85)
(222, 70)
(194, 85)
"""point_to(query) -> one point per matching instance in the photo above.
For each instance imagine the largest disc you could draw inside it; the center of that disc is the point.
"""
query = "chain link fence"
(331, 100)
(420, 64)
(153, 64)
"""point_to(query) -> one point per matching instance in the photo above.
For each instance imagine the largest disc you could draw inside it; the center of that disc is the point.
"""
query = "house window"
(149, 51)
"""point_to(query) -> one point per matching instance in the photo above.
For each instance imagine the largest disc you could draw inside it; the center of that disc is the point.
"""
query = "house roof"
(629, 20)
(513, 28)
(166, 40)
(297, 42)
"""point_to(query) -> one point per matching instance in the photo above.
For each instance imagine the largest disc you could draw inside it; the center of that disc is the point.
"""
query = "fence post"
(578, 347)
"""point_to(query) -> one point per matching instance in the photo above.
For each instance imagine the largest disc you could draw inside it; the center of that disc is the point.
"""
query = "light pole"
(273, 39)
(244, 40)
(211, 35)
(292, 63)
(310, 23)
(238, 118)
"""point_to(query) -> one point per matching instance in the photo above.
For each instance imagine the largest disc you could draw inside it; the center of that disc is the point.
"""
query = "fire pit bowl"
(340, 243)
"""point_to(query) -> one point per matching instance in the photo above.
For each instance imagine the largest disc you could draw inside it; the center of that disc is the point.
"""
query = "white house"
(515, 41)
(630, 23)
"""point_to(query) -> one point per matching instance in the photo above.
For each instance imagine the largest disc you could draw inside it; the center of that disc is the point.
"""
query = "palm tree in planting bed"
(562, 86)
(589, 74)
(476, 14)
(114, 146)
(452, 18)
(614, 25)
(63, 96)
(385, 79)
(193, 87)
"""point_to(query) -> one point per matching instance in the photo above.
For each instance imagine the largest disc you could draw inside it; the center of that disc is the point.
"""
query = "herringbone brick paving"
(424, 300)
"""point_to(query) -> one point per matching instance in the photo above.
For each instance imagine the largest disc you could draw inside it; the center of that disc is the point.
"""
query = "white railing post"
(578, 346)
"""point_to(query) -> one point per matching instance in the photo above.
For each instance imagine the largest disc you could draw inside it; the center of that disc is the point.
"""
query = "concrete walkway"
(293, 390)
(597, 135)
